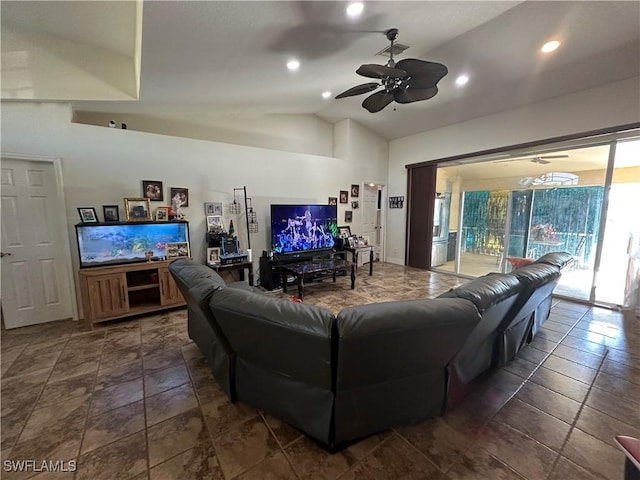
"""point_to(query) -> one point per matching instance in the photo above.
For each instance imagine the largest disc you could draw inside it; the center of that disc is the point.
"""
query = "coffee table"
(302, 270)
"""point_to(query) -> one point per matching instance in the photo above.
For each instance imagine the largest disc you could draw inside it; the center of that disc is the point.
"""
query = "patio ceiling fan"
(541, 160)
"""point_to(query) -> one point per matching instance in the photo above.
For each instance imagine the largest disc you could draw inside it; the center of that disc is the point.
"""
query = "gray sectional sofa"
(371, 367)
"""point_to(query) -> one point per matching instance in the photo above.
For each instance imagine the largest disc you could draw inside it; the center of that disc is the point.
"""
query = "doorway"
(36, 280)
(372, 217)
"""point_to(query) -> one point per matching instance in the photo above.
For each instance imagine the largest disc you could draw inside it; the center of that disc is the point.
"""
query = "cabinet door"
(108, 295)
(169, 292)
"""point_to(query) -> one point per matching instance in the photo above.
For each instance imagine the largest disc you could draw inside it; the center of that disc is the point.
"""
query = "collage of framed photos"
(344, 198)
(138, 209)
(213, 213)
(352, 241)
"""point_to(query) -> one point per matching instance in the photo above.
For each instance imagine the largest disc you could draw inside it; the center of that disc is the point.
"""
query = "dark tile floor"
(135, 399)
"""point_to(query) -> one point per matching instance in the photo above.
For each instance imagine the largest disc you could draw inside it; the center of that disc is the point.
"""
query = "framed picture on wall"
(215, 223)
(213, 208)
(180, 196)
(355, 191)
(87, 215)
(152, 189)
(344, 196)
(162, 214)
(348, 216)
(332, 201)
(110, 213)
(355, 204)
(137, 209)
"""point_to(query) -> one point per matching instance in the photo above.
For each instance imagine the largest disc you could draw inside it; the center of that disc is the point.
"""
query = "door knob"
(2, 254)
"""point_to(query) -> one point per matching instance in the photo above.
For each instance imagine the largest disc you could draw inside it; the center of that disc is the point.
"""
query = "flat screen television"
(118, 243)
(298, 228)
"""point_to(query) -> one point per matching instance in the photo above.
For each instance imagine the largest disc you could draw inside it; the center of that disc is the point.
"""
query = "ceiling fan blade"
(372, 70)
(420, 73)
(358, 90)
(376, 102)
(540, 160)
(408, 95)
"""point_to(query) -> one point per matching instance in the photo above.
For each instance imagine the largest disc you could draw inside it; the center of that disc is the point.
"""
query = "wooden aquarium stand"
(124, 290)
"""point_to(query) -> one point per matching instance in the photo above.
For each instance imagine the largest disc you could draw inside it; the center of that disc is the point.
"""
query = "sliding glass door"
(618, 279)
(507, 210)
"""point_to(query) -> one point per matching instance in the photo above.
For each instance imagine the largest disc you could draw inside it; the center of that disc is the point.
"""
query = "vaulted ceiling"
(211, 59)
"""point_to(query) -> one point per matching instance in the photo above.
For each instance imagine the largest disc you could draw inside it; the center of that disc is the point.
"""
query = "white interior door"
(35, 273)
(371, 217)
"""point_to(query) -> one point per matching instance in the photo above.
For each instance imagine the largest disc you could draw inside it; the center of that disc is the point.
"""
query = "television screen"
(296, 228)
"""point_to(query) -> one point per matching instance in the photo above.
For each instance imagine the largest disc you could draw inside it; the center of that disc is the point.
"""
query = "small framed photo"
(344, 232)
(348, 216)
(333, 201)
(355, 204)
(177, 249)
(180, 196)
(152, 189)
(88, 215)
(352, 241)
(213, 256)
(213, 208)
(162, 214)
(355, 191)
(137, 209)
(110, 213)
(344, 196)
(214, 224)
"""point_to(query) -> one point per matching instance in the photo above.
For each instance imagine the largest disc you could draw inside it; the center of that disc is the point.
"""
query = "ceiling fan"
(545, 160)
(409, 80)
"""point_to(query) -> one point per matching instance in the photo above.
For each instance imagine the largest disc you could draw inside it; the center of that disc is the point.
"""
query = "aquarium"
(113, 244)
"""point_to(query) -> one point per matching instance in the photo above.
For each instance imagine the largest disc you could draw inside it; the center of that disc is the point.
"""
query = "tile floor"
(134, 399)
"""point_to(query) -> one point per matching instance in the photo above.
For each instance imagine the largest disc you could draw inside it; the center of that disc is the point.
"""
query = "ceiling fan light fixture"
(355, 9)
(293, 65)
(326, 94)
(550, 46)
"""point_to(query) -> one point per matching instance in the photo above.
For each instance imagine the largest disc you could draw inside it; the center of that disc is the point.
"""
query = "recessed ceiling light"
(550, 46)
(326, 94)
(293, 64)
(462, 80)
(355, 9)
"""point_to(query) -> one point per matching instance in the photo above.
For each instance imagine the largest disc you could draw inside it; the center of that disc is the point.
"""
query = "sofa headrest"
(190, 272)
(486, 291)
(557, 259)
(537, 273)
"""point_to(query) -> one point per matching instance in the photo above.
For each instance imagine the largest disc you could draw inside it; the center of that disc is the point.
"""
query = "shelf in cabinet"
(146, 286)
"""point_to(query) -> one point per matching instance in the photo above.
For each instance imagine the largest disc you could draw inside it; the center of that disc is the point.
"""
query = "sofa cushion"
(486, 291)
(288, 338)
(536, 274)
(558, 259)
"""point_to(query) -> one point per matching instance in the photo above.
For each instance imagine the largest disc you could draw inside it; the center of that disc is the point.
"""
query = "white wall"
(290, 133)
(101, 166)
(611, 105)
(370, 153)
